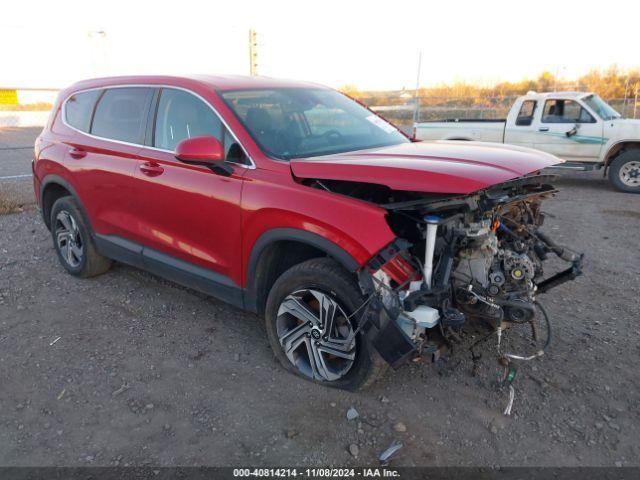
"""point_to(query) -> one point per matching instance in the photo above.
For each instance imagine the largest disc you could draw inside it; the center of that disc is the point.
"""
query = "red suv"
(359, 246)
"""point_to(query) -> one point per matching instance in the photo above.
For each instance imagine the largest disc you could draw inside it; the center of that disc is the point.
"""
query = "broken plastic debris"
(352, 414)
(512, 393)
(390, 452)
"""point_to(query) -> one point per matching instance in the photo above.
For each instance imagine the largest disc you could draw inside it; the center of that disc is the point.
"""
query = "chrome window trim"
(141, 85)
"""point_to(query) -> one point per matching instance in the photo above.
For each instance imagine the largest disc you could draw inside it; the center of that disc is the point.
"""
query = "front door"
(568, 130)
(188, 215)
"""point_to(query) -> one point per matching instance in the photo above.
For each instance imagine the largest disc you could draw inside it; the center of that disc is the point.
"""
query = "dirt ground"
(127, 369)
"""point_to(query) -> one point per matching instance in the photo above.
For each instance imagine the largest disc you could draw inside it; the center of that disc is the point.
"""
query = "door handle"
(77, 153)
(543, 129)
(151, 169)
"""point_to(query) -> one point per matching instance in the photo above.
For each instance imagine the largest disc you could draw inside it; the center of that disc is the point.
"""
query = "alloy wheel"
(68, 239)
(316, 335)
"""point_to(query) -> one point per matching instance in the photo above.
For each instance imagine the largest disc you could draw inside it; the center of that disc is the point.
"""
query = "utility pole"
(253, 53)
(97, 40)
(416, 98)
(626, 91)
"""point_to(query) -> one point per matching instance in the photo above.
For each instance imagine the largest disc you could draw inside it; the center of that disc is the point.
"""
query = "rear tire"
(624, 171)
(317, 346)
(73, 242)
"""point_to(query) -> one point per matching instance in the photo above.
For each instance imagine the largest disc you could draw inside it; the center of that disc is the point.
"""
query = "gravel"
(400, 427)
(352, 414)
(148, 373)
(354, 450)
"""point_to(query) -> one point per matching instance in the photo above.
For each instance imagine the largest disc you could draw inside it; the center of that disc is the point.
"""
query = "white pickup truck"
(578, 127)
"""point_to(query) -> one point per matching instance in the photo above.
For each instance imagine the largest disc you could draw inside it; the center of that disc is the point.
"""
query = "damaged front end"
(461, 259)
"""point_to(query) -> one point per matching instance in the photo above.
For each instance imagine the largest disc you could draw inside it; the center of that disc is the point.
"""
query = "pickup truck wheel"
(72, 240)
(624, 172)
(311, 329)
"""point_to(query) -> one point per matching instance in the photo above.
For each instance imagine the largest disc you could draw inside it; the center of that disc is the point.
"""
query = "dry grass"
(8, 205)
(15, 196)
(31, 107)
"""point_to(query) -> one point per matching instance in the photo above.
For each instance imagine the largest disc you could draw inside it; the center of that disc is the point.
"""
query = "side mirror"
(206, 151)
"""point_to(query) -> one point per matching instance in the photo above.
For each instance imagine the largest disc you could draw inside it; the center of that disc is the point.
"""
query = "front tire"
(72, 240)
(624, 172)
(310, 326)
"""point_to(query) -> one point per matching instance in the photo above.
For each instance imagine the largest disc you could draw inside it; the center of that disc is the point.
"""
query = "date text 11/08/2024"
(316, 472)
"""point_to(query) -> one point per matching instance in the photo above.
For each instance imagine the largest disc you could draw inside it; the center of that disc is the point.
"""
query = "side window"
(121, 114)
(525, 115)
(181, 115)
(79, 107)
(565, 111)
(585, 117)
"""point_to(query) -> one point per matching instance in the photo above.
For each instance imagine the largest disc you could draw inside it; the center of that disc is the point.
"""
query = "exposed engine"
(463, 259)
(493, 276)
(457, 259)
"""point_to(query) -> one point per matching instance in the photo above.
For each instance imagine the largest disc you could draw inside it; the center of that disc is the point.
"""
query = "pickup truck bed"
(462, 129)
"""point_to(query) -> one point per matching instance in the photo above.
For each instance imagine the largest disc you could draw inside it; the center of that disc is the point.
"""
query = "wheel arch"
(278, 250)
(617, 148)
(54, 187)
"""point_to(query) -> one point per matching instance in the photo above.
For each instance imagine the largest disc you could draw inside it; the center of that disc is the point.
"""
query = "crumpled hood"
(438, 167)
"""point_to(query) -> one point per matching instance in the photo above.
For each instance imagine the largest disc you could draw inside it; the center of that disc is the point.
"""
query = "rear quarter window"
(79, 107)
(121, 114)
(525, 115)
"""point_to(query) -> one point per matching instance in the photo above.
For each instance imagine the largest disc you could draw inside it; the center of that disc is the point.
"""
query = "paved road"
(16, 147)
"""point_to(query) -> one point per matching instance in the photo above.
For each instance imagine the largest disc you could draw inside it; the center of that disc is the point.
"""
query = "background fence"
(477, 108)
(32, 107)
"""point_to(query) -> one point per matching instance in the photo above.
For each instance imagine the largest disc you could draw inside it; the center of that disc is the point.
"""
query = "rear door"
(189, 216)
(569, 130)
(105, 157)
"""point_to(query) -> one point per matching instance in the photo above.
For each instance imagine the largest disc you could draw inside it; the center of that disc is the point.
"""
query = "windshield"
(602, 108)
(304, 122)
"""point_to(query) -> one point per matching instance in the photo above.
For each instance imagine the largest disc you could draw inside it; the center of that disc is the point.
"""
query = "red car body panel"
(438, 167)
(189, 212)
(145, 195)
(269, 197)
